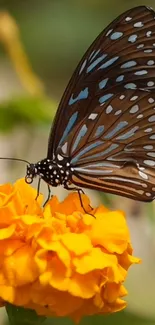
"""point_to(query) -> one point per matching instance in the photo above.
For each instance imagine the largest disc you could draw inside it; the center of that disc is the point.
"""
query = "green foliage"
(121, 318)
(21, 316)
(26, 111)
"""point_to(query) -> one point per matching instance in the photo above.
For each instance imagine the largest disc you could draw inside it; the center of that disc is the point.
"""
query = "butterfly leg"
(80, 191)
(80, 198)
(38, 192)
(49, 195)
(38, 188)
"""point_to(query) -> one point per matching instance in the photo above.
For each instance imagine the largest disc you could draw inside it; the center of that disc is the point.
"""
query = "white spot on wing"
(133, 98)
(92, 116)
(120, 78)
(148, 147)
(64, 147)
(143, 175)
(151, 154)
(128, 18)
(140, 46)
(118, 112)
(150, 163)
(151, 118)
(138, 24)
(60, 157)
(122, 97)
(148, 51)
(151, 100)
(148, 34)
(148, 130)
(128, 64)
(150, 62)
(132, 38)
(141, 72)
(116, 35)
(134, 109)
(109, 109)
(83, 66)
(140, 116)
(130, 85)
(150, 84)
(109, 32)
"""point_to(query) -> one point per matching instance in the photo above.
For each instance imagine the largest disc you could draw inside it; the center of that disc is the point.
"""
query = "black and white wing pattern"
(113, 148)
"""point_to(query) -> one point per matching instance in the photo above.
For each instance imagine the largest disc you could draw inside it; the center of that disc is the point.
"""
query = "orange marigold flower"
(58, 260)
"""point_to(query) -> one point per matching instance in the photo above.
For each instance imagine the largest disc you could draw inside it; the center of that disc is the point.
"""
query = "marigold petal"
(111, 292)
(16, 296)
(41, 260)
(7, 232)
(95, 260)
(15, 265)
(27, 195)
(122, 292)
(84, 286)
(7, 293)
(118, 305)
(22, 295)
(5, 189)
(114, 239)
(71, 204)
(77, 243)
(127, 260)
(9, 246)
(51, 207)
(116, 273)
(11, 207)
(59, 276)
(64, 303)
(98, 301)
(58, 260)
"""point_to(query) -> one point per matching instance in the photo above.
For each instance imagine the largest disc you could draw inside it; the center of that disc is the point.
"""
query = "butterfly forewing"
(121, 58)
(113, 148)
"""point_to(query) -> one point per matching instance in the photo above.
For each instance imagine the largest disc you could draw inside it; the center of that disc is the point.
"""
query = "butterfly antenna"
(16, 159)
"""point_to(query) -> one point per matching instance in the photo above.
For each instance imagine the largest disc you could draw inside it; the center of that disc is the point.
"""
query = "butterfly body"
(103, 135)
(50, 171)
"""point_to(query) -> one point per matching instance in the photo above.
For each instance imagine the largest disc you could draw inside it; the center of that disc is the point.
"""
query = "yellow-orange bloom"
(58, 260)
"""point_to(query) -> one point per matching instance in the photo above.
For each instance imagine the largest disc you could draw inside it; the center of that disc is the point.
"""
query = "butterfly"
(103, 135)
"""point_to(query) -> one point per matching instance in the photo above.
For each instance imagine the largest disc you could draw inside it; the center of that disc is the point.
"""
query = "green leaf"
(22, 316)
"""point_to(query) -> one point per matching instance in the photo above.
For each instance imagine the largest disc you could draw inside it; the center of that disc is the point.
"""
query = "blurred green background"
(54, 35)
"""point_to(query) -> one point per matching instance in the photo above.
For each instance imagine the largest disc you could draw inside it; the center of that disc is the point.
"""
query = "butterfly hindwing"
(112, 149)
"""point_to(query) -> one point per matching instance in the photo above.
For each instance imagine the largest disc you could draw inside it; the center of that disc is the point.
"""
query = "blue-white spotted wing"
(120, 59)
(113, 148)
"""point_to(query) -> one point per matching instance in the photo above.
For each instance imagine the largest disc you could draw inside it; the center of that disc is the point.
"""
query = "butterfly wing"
(122, 57)
(113, 148)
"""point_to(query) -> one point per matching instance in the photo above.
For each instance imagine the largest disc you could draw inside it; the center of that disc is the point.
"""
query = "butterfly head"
(31, 173)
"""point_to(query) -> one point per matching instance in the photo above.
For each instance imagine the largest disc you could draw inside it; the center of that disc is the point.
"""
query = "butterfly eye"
(32, 171)
(29, 179)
